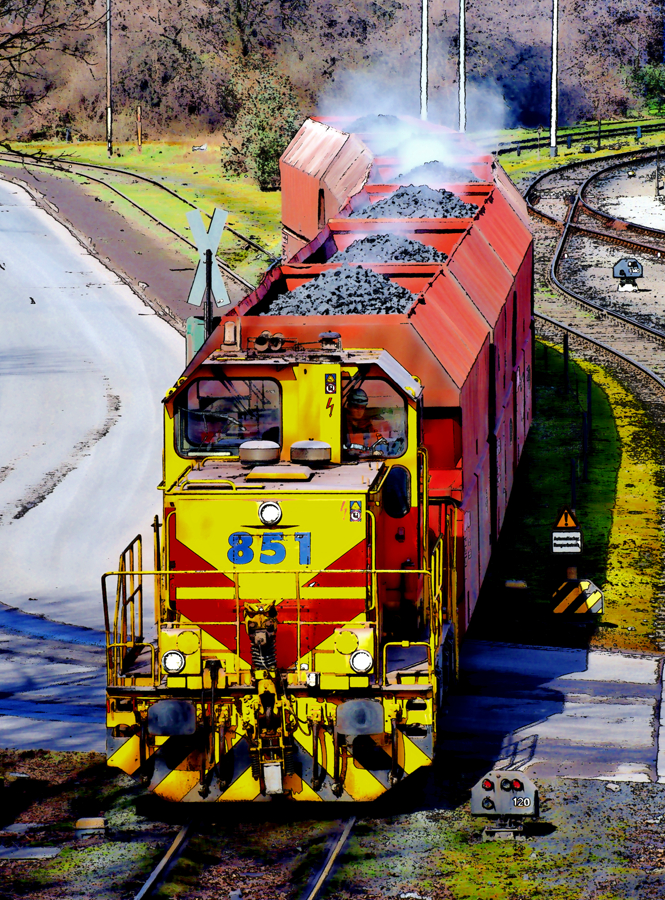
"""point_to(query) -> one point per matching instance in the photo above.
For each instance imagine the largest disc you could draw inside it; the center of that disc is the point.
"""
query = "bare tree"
(29, 31)
(252, 24)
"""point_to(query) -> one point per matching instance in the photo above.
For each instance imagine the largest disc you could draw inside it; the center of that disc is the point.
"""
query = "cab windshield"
(217, 416)
(373, 421)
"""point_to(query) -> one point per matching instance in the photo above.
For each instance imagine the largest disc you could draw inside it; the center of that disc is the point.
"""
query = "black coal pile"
(380, 122)
(350, 290)
(437, 171)
(418, 202)
(383, 248)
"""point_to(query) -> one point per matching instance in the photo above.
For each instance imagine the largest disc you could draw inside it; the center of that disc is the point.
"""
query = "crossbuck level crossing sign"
(207, 240)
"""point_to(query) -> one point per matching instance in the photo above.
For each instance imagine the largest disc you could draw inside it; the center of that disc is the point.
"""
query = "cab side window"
(374, 421)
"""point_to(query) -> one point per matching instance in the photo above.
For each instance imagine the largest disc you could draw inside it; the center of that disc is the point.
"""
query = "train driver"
(364, 430)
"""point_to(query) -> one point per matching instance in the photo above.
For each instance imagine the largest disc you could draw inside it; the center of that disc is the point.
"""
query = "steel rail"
(654, 332)
(585, 337)
(169, 859)
(591, 134)
(594, 211)
(330, 860)
(626, 156)
(569, 224)
(150, 215)
(45, 163)
(228, 271)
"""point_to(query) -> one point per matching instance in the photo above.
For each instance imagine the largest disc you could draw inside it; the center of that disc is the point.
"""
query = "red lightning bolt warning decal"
(329, 405)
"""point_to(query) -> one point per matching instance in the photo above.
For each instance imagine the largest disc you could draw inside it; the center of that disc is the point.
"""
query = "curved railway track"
(71, 167)
(557, 200)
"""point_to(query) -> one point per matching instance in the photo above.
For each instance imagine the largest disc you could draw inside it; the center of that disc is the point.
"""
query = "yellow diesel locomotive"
(332, 487)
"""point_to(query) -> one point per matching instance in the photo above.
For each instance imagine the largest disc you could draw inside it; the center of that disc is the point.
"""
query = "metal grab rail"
(126, 635)
(406, 644)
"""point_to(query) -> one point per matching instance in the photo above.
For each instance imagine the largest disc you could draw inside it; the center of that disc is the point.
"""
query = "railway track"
(561, 214)
(312, 890)
(83, 170)
(611, 132)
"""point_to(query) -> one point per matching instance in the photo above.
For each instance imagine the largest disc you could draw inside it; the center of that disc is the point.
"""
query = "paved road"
(82, 372)
(553, 711)
(83, 369)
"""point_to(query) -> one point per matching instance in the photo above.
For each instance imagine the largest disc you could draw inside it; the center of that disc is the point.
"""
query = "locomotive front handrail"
(115, 672)
(122, 574)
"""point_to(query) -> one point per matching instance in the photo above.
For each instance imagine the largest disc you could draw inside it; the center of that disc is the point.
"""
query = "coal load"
(379, 122)
(436, 171)
(418, 202)
(384, 248)
(349, 290)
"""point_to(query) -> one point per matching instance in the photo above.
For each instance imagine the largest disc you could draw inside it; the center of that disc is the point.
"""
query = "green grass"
(543, 487)
(195, 176)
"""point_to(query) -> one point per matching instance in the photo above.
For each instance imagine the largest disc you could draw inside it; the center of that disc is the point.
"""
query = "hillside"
(235, 68)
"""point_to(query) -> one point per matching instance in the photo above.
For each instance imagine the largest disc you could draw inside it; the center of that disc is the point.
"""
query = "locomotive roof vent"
(312, 453)
(254, 453)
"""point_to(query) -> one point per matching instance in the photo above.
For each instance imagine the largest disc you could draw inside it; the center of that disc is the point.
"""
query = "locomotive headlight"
(173, 662)
(270, 513)
(361, 661)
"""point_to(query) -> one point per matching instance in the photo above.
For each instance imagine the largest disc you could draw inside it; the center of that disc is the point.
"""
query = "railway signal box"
(504, 793)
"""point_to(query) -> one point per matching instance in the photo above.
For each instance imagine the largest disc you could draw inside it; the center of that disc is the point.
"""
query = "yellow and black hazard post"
(577, 596)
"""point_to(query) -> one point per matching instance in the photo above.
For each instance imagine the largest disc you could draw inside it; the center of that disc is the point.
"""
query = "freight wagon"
(338, 458)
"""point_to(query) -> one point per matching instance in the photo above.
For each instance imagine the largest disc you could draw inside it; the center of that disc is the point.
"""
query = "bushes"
(268, 117)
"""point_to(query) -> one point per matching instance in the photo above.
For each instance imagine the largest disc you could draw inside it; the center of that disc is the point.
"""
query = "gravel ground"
(383, 248)
(633, 199)
(48, 792)
(346, 291)
(594, 840)
(587, 269)
(418, 202)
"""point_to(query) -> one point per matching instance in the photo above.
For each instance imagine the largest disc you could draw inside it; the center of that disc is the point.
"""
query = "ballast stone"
(349, 290)
(418, 202)
(384, 248)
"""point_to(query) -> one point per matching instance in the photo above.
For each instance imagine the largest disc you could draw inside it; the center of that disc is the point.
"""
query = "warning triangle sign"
(567, 520)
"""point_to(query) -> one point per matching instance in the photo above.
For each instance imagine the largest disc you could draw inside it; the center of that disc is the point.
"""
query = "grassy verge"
(618, 509)
(51, 790)
(533, 162)
(195, 175)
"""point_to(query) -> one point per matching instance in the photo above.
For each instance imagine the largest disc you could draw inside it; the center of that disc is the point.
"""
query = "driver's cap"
(357, 398)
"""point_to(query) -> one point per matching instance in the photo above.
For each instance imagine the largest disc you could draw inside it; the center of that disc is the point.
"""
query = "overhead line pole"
(462, 65)
(555, 78)
(424, 41)
(109, 121)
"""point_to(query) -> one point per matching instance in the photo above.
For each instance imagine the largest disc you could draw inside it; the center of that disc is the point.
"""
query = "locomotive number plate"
(271, 547)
